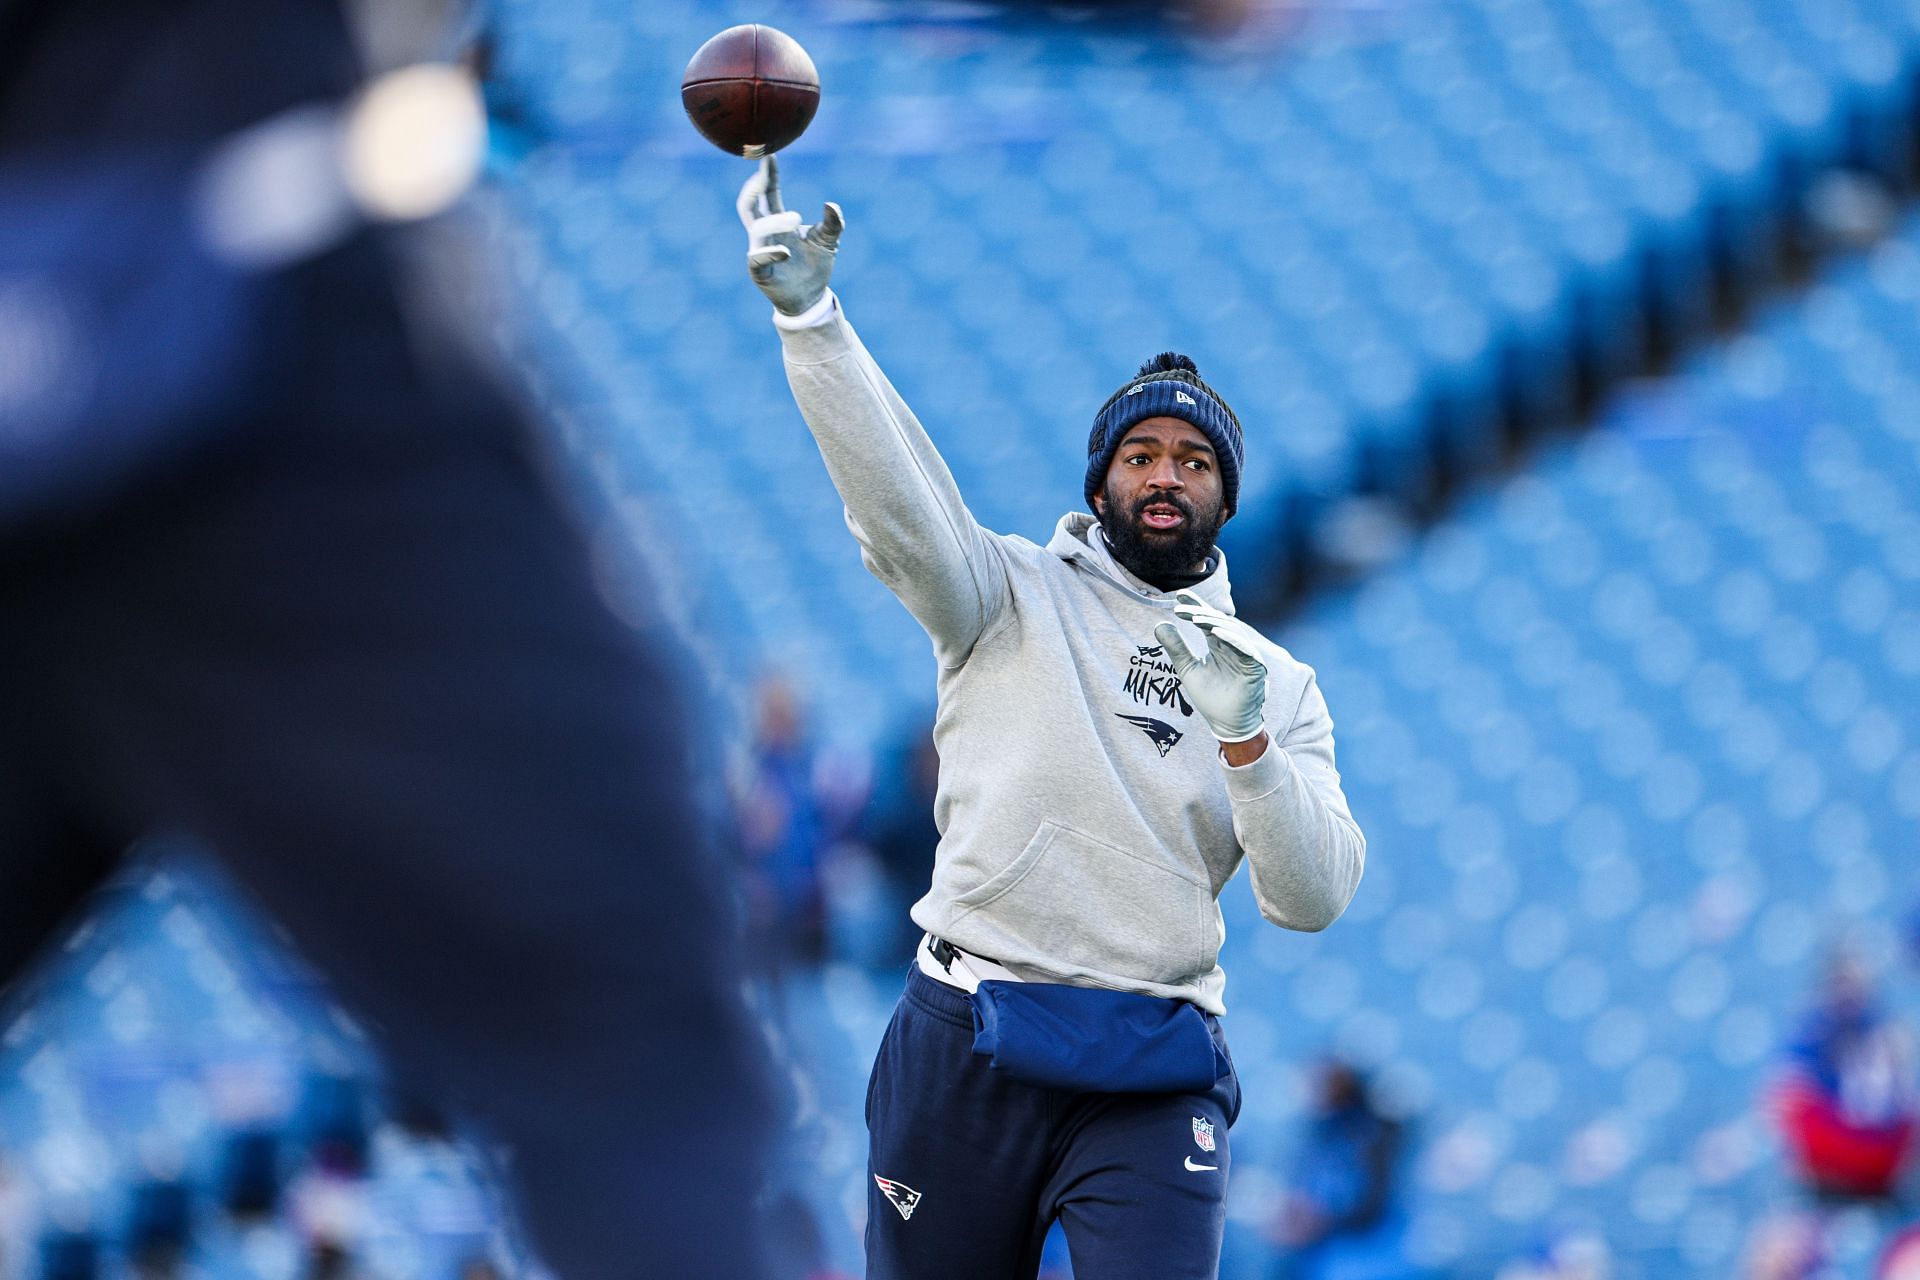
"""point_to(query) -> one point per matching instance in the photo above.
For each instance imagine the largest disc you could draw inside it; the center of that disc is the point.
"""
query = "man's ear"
(1100, 505)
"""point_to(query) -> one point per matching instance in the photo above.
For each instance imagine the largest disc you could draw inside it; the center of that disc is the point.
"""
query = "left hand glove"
(1228, 685)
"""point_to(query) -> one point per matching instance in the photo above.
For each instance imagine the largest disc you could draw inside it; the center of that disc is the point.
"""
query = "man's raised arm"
(916, 534)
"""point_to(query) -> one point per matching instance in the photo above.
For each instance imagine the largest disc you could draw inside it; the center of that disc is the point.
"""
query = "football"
(750, 90)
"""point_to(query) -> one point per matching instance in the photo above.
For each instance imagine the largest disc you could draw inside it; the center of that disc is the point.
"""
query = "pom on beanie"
(1169, 362)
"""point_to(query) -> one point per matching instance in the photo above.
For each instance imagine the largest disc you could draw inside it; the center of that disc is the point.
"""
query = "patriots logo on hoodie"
(1164, 735)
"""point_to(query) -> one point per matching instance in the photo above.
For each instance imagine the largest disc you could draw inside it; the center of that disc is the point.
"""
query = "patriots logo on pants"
(903, 1197)
(1203, 1133)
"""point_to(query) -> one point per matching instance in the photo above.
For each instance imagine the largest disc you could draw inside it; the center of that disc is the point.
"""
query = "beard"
(1160, 556)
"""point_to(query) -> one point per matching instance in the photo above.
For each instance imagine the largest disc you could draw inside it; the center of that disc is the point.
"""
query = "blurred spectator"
(1338, 1219)
(782, 831)
(1845, 1095)
(795, 801)
(904, 839)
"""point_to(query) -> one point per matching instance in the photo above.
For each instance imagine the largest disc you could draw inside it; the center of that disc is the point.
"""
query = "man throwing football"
(1113, 743)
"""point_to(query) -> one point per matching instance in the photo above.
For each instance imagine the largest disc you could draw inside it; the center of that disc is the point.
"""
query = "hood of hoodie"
(1078, 538)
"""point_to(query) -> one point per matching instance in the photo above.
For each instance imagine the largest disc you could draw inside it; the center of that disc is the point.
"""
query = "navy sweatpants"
(967, 1169)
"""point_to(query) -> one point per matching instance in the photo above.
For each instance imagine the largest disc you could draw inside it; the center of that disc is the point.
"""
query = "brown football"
(751, 90)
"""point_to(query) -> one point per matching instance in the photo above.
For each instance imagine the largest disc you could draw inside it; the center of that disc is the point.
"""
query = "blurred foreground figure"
(278, 567)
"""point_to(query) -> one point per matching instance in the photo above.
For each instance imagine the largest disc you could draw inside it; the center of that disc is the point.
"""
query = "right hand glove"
(789, 262)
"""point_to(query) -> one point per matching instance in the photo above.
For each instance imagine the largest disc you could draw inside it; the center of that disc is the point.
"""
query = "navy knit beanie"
(1167, 386)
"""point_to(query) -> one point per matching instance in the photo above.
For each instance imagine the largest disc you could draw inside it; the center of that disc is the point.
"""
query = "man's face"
(1162, 505)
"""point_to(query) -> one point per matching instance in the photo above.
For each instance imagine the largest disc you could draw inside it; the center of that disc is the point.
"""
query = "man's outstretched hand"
(791, 263)
(1228, 683)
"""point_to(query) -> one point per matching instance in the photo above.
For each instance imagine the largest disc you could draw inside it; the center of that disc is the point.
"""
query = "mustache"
(1178, 503)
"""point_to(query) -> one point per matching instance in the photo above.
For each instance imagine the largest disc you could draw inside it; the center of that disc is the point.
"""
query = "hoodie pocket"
(1088, 905)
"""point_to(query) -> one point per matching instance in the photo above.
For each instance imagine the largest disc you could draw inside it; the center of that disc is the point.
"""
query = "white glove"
(1228, 685)
(789, 262)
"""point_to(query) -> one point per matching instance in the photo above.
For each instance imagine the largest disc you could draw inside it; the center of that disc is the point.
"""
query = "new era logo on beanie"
(1167, 386)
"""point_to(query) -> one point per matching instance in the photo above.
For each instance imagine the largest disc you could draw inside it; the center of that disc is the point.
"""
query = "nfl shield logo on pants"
(1203, 1133)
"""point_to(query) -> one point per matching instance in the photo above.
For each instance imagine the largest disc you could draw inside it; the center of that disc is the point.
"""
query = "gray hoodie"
(1087, 819)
